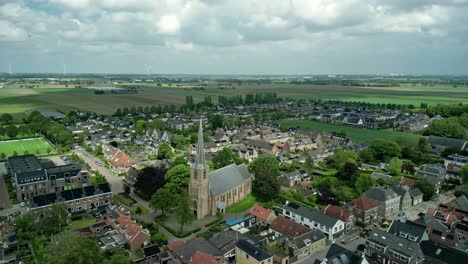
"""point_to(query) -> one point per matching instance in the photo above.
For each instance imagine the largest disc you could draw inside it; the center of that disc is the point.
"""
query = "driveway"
(113, 179)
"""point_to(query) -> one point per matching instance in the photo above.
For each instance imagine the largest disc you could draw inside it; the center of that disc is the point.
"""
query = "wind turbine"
(10, 70)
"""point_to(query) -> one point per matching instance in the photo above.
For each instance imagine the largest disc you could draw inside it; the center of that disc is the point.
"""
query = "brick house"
(365, 210)
(134, 234)
(342, 214)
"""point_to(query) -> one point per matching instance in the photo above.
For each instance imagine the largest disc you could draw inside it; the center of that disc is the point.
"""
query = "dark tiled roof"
(446, 142)
(252, 250)
(311, 214)
(307, 238)
(396, 243)
(409, 228)
(337, 254)
(227, 178)
(381, 194)
(435, 253)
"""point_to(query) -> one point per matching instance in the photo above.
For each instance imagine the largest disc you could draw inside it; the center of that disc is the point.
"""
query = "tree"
(178, 178)
(162, 199)
(450, 150)
(149, 180)
(385, 149)
(340, 157)
(3, 155)
(348, 171)
(6, 118)
(364, 182)
(119, 257)
(179, 142)
(183, 212)
(165, 151)
(215, 121)
(464, 173)
(394, 166)
(449, 127)
(11, 131)
(266, 183)
(157, 124)
(226, 157)
(309, 165)
(366, 155)
(426, 187)
(15, 153)
(68, 248)
(179, 161)
(140, 127)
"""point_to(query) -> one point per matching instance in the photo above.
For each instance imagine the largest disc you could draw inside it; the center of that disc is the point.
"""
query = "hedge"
(175, 233)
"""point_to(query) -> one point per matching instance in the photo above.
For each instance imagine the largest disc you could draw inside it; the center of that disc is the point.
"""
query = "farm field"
(32, 145)
(18, 100)
(357, 135)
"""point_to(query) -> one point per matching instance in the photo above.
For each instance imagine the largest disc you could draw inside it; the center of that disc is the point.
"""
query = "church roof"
(227, 178)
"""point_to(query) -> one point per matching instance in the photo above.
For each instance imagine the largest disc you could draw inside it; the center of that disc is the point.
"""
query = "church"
(213, 192)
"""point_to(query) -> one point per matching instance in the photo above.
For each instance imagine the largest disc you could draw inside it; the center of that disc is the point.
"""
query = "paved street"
(413, 212)
(114, 180)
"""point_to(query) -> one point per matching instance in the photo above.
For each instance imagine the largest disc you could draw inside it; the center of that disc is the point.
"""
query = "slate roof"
(227, 178)
(461, 202)
(60, 171)
(435, 253)
(337, 254)
(311, 214)
(446, 142)
(409, 228)
(396, 243)
(68, 195)
(415, 192)
(27, 169)
(253, 251)
(381, 194)
(307, 238)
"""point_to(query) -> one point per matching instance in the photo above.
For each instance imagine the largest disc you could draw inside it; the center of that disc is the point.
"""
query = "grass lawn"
(357, 135)
(243, 205)
(32, 145)
(125, 199)
(135, 207)
(77, 224)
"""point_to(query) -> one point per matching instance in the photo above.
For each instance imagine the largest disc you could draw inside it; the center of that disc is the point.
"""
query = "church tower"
(199, 187)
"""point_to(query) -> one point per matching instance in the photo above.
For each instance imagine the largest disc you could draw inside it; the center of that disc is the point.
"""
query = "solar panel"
(67, 195)
(50, 198)
(89, 190)
(436, 232)
(293, 205)
(104, 187)
(151, 250)
(40, 200)
(450, 236)
(77, 193)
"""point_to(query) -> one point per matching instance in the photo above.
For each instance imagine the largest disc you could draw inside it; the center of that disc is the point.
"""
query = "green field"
(357, 135)
(242, 205)
(32, 145)
(17, 100)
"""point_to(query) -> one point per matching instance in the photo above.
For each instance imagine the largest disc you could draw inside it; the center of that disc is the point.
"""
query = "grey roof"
(24, 163)
(307, 238)
(226, 240)
(446, 142)
(436, 253)
(381, 194)
(408, 228)
(186, 251)
(431, 221)
(415, 192)
(60, 171)
(337, 254)
(200, 163)
(227, 178)
(461, 203)
(311, 214)
(253, 251)
(397, 244)
(377, 175)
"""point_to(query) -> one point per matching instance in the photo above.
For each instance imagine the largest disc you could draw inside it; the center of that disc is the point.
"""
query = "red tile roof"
(130, 227)
(363, 204)
(203, 258)
(288, 227)
(260, 212)
(175, 244)
(119, 158)
(337, 213)
(408, 182)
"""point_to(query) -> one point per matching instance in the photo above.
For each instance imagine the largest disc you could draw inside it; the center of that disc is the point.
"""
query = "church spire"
(200, 158)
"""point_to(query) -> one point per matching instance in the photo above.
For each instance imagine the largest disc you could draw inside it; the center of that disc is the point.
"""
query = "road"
(115, 182)
(443, 198)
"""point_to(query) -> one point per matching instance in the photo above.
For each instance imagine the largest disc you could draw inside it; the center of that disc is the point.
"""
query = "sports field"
(357, 135)
(31, 145)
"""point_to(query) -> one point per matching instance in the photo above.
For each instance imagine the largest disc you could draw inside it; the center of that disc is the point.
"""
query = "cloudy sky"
(235, 36)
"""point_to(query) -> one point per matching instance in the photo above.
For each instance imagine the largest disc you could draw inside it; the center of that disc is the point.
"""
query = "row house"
(331, 227)
(134, 234)
(78, 201)
(389, 201)
(33, 177)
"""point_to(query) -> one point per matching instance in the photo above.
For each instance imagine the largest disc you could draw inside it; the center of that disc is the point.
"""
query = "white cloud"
(168, 24)
(9, 32)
